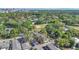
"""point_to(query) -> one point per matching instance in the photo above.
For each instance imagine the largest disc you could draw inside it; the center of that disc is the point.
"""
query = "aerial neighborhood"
(39, 29)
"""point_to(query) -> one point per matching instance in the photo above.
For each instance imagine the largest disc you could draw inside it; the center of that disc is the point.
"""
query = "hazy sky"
(39, 3)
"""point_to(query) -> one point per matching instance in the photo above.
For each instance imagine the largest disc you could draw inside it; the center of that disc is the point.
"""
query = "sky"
(39, 3)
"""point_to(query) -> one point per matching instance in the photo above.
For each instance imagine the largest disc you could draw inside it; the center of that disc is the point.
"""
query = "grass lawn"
(39, 27)
(75, 27)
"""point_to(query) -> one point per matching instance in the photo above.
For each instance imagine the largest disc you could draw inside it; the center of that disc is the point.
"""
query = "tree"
(28, 24)
(11, 23)
(54, 29)
(39, 21)
(65, 43)
(14, 32)
(2, 31)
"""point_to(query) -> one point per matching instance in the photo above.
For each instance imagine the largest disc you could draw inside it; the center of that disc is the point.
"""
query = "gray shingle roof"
(16, 45)
(26, 46)
(52, 47)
